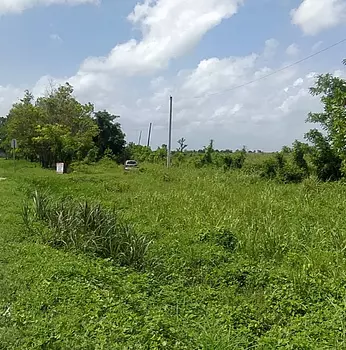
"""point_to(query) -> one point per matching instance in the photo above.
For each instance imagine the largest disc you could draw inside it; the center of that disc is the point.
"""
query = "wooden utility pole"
(170, 132)
(149, 134)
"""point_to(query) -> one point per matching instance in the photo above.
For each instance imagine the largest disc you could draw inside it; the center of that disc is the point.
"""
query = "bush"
(280, 169)
(235, 160)
(92, 156)
(86, 227)
(299, 151)
(291, 173)
(270, 168)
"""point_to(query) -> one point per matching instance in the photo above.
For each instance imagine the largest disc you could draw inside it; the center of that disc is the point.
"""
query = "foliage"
(299, 151)
(58, 128)
(235, 160)
(324, 157)
(20, 124)
(279, 168)
(2, 132)
(330, 146)
(207, 157)
(86, 227)
(182, 145)
(110, 135)
(236, 262)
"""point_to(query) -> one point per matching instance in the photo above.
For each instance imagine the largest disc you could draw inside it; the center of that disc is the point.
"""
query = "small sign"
(60, 168)
(14, 143)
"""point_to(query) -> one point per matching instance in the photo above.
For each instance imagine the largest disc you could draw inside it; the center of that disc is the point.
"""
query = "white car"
(130, 164)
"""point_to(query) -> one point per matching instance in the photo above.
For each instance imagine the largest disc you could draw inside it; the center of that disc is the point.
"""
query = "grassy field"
(235, 262)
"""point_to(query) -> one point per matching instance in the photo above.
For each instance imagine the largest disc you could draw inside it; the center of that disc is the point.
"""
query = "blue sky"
(186, 48)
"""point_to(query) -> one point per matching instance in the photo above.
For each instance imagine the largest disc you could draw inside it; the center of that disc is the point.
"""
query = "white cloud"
(317, 45)
(208, 102)
(292, 50)
(55, 37)
(213, 75)
(18, 6)
(313, 16)
(209, 105)
(8, 94)
(270, 48)
(169, 29)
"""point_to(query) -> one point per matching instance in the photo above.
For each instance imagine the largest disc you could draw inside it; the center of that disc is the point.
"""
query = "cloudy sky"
(128, 57)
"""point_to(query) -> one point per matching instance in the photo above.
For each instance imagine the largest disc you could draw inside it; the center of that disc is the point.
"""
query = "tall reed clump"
(86, 227)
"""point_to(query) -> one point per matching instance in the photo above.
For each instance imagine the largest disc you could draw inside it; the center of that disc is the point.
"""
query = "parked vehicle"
(130, 165)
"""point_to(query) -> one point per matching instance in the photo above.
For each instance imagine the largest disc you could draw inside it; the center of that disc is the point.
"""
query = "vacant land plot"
(234, 262)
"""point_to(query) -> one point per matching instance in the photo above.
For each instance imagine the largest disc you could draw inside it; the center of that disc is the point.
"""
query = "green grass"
(236, 263)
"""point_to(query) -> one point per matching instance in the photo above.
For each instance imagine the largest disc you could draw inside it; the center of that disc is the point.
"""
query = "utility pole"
(14, 146)
(149, 134)
(140, 137)
(170, 132)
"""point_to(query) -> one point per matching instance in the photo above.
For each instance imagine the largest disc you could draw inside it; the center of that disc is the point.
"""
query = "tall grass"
(86, 227)
(237, 262)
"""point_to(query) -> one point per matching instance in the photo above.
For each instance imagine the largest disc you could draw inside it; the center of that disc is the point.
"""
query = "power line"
(272, 73)
(260, 78)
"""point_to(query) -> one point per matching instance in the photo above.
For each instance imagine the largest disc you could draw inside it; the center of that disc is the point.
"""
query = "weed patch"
(85, 227)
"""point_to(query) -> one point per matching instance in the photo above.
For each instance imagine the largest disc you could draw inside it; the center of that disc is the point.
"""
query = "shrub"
(92, 155)
(279, 168)
(239, 159)
(291, 173)
(270, 168)
(227, 162)
(299, 151)
(234, 161)
(86, 227)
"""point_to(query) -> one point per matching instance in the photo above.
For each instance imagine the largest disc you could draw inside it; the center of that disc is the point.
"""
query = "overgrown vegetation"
(85, 227)
(57, 128)
(236, 261)
(225, 250)
(323, 155)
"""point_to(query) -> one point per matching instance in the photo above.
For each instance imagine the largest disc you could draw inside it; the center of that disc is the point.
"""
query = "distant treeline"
(58, 128)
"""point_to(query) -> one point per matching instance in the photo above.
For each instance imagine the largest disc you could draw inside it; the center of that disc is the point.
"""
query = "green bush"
(86, 227)
(291, 173)
(270, 168)
(234, 161)
(282, 170)
(92, 156)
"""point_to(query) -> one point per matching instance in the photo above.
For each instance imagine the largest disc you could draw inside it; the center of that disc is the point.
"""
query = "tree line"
(58, 128)
(322, 155)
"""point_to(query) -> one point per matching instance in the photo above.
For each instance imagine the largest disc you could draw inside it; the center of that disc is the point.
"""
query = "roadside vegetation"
(225, 250)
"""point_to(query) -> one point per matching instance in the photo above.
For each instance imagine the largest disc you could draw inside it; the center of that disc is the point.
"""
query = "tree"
(182, 145)
(324, 157)
(299, 151)
(137, 152)
(110, 135)
(329, 153)
(21, 124)
(2, 132)
(55, 128)
(160, 155)
(286, 150)
(62, 111)
(208, 154)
